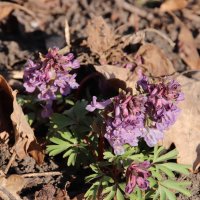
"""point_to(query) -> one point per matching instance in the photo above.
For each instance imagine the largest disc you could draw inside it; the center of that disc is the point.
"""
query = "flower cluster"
(50, 75)
(124, 119)
(146, 115)
(137, 174)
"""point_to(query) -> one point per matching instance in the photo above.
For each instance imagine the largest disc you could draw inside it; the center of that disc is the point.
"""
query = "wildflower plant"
(117, 138)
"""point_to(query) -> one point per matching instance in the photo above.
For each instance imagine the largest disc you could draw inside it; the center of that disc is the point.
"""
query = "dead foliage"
(9, 187)
(14, 122)
(154, 60)
(171, 5)
(188, 50)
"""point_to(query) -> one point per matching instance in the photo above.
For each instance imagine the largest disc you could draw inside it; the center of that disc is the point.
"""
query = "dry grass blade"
(67, 33)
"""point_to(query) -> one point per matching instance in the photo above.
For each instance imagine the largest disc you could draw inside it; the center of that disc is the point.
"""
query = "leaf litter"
(150, 57)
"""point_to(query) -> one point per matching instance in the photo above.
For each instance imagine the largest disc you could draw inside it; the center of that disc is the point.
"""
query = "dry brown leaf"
(100, 36)
(188, 49)
(11, 186)
(23, 132)
(7, 7)
(172, 5)
(6, 100)
(5, 11)
(37, 152)
(154, 60)
(185, 133)
(123, 74)
(14, 122)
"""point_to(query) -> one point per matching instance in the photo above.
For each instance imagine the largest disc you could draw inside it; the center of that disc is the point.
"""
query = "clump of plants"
(118, 138)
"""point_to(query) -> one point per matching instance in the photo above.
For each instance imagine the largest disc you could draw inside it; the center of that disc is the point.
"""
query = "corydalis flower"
(128, 117)
(137, 174)
(97, 105)
(50, 75)
(161, 106)
(124, 118)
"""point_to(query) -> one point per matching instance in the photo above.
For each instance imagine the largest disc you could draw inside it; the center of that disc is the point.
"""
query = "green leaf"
(91, 177)
(111, 192)
(110, 196)
(152, 182)
(182, 169)
(56, 149)
(156, 195)
(60, 120)
(184, 183)
(166, 170)
(72, 159)
(59, 141)
(139, 194)
(157, 151)
(162, 194)
(170, 155)
(67, 153)
(107, 190)
(156, 174)
(119, 195)
(95, 168)
(138, 157)
(122, 186)
(93, 191)
(170, 195)
(175, 186)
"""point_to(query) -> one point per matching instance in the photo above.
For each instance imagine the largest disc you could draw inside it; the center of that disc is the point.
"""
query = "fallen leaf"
(173, 5)
(7, 7)
(9, 187)
(6, 100)
(185, 133)
(123, 74)
(5, 11)
(37, 152)
(14, 122)
(154, 60)
(188, 49)
(23, 132)
(100, 36)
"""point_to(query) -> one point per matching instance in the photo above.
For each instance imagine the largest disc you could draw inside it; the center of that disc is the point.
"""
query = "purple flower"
(137, 174)
(50, 75)
(161, 105)
(120, 135)
(124, 118)
(152, 136)
(97, 105)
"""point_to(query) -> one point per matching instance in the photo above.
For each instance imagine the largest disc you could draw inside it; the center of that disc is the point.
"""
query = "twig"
(10, 162)
(163, 35)
(6, 194)
(41, 174)
(185, 72)
(138, 11)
